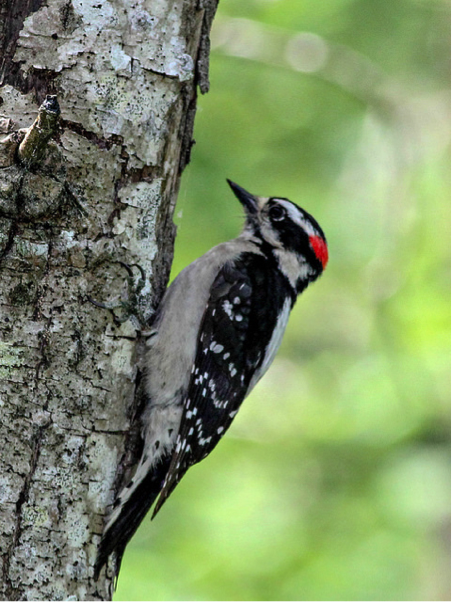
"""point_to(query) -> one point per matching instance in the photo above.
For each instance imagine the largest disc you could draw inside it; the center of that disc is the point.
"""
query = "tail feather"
(133, 505)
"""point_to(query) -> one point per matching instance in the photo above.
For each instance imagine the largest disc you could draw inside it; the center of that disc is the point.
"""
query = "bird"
(214, 335)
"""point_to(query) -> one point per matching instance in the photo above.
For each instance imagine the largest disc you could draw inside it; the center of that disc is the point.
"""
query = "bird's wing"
(237, 327)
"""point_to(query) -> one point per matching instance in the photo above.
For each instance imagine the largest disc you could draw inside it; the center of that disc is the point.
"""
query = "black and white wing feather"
(237, 337)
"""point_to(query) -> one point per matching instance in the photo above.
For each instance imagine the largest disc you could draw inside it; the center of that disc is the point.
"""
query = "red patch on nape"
(320, 249)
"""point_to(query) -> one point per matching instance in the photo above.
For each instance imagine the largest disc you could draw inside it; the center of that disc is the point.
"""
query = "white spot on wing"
(227, 306)
(216, 347)
(232, 370)
(205, 441)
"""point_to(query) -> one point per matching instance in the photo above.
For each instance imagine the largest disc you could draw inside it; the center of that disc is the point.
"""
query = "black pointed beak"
(248, 200)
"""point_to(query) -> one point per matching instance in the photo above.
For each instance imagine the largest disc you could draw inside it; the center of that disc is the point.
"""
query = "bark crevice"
(14, 592)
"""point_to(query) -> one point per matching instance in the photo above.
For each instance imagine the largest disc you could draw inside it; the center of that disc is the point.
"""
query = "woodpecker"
(215, 333)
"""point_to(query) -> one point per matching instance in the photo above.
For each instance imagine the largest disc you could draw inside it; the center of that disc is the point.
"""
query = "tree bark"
(101, 195)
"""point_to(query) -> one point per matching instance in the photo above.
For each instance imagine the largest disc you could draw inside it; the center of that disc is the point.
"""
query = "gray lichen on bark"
(102, 192)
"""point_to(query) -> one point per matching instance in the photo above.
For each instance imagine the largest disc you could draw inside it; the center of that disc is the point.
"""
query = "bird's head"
(287, 231)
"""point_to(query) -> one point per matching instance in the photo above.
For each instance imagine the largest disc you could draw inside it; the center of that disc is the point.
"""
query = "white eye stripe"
(297, 217)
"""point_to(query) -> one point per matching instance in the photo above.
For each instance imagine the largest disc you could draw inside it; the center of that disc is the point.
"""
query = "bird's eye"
(277, 213)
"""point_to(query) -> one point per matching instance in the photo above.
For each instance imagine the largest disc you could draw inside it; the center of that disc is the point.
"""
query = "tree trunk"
(100, 196)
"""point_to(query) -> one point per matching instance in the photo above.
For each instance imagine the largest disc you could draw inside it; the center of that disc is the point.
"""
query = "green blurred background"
(333, 482)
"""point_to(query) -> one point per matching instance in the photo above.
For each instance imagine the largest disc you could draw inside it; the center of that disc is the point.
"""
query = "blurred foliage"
(333, 482)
